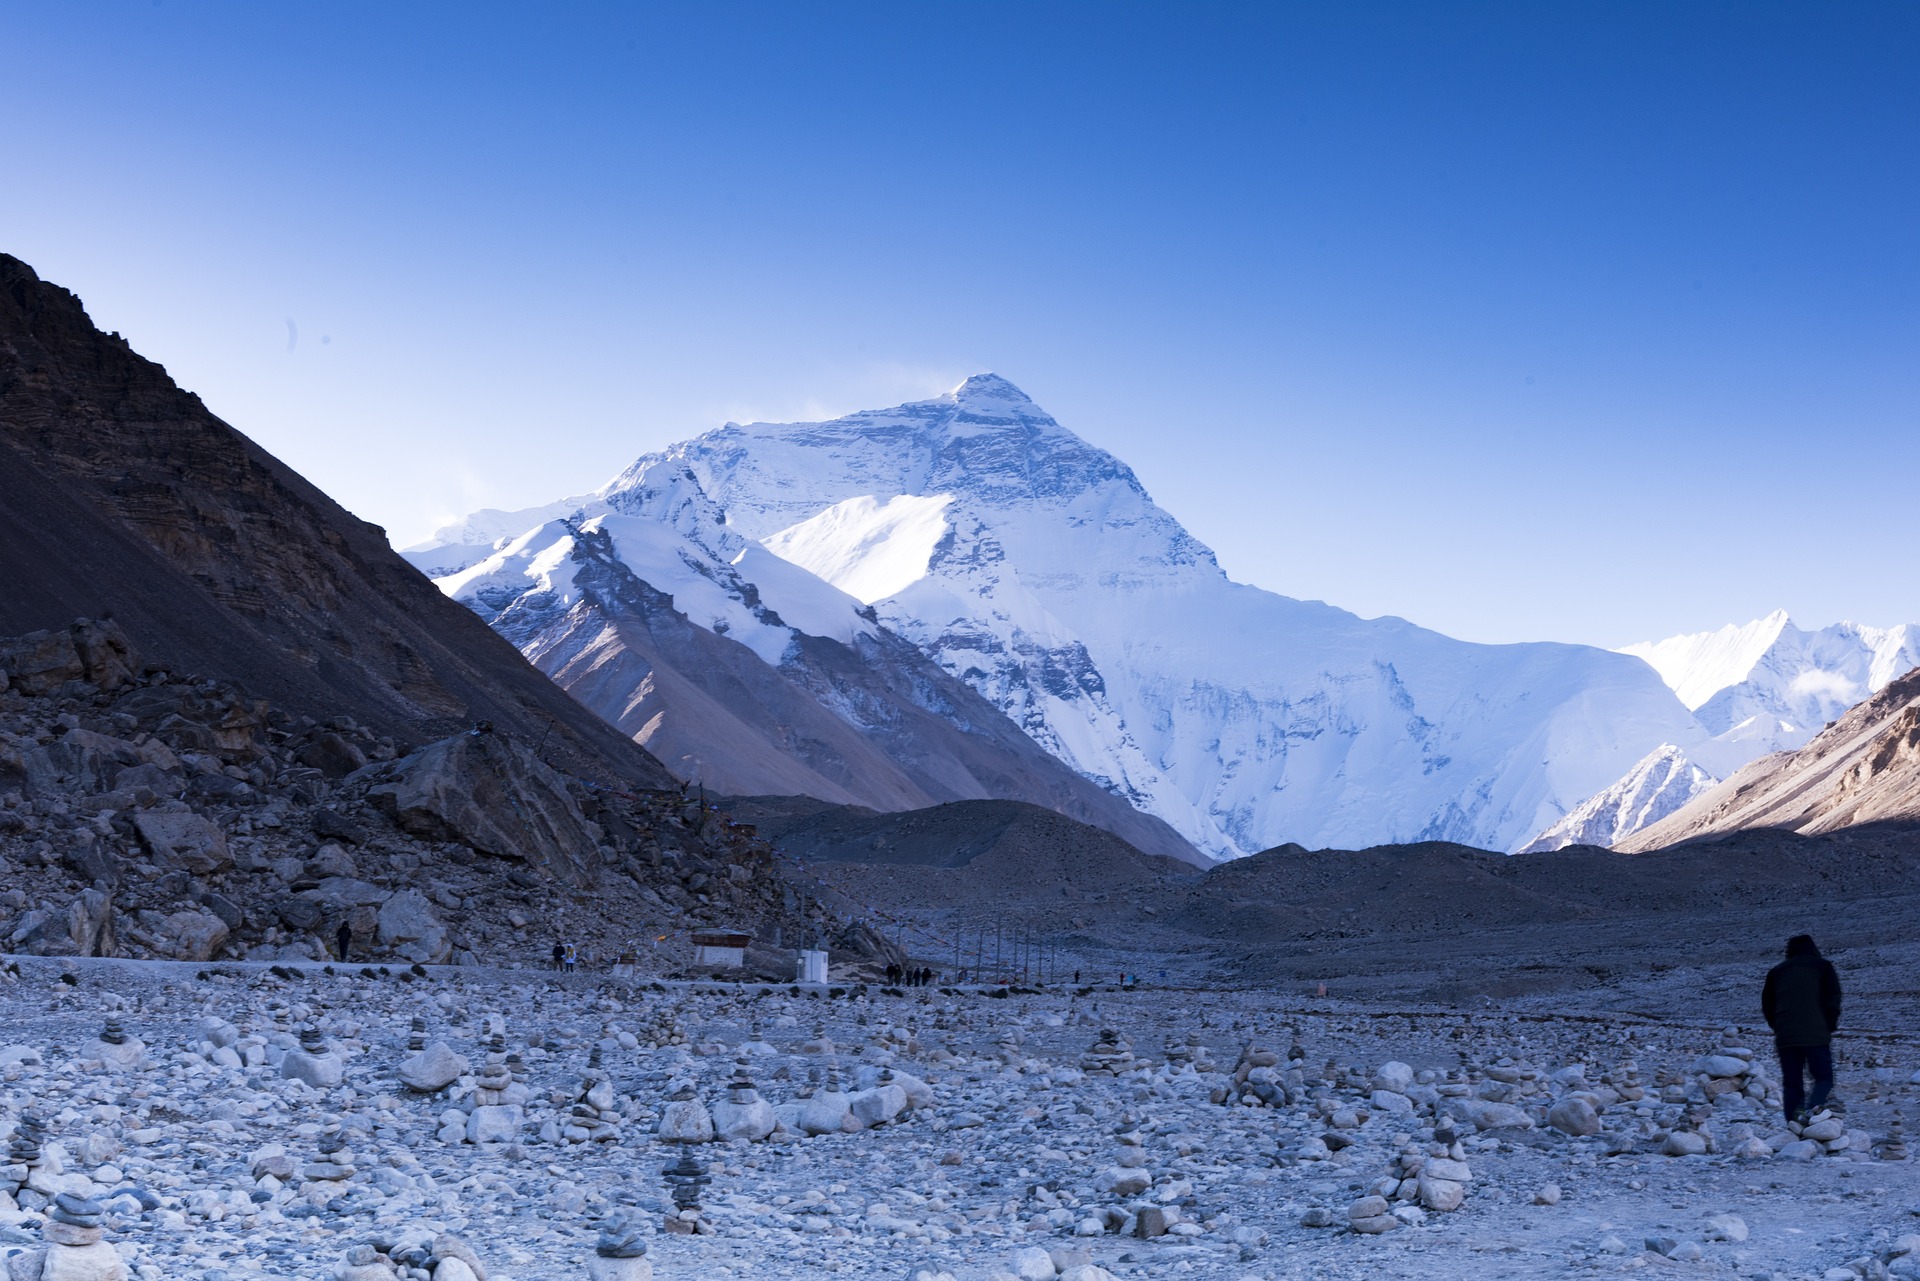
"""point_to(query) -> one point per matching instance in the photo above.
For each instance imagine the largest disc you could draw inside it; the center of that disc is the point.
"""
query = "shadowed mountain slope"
(122, 495)
(1863, 768)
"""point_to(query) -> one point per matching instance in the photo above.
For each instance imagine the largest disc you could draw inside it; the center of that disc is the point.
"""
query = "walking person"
(1801, 1001)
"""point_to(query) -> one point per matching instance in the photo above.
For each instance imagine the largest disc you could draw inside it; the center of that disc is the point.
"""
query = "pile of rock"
(495, 1110)
(621, 1252)
(743, 1115)
(1108, 1056)
(73, 1250)
(595, 1114)
(317, 1062)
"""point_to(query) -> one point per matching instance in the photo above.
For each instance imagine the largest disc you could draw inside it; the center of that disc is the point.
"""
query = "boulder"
(40, 662)
(495, 1123)
(433, 1069)
(105, 654)
(1492, 1116)
(183, 840)
(1575, 1116)
(407, 924)
(493, 796)
(195, 935)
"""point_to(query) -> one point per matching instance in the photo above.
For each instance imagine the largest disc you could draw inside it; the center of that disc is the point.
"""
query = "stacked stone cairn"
(316, 1062)
(417, 1035)
(73, 1250)
(621, 1253)
(1894, 1146)
(595, 1115)
(118, 1051)
(743, 1115)
(24, 1151)
(1108, 1056)
(325, 1177)
(498, 1104)
(827, 1110)
(685, 1119)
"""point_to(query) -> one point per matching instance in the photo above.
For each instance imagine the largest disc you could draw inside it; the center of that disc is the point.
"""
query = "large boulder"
(96, 652)
(40, 662)
(184, 840)
(85, 928)
(493, 796)
(407, 925)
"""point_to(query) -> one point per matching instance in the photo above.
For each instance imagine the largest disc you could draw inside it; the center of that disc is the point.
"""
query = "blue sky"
(1575, 322)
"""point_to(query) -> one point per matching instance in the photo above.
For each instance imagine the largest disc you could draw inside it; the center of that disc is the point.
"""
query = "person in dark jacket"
(1802, 1003)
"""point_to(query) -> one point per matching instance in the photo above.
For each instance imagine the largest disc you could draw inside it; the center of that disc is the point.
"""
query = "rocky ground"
(298, 1122)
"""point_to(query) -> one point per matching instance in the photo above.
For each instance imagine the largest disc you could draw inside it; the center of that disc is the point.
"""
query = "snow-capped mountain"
(1658, 785)
(746, 673)
(1764, 687)
(1035, 568)
(1773, 685)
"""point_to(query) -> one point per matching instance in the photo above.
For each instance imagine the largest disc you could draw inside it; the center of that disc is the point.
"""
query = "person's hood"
(1802, 945)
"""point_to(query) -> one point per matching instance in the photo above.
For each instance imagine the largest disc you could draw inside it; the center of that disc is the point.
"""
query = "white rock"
(1034, 1264)
(434, 1068)
(1726, 1227)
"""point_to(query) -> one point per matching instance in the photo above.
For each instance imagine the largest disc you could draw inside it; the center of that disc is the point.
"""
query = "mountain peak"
(993, 396)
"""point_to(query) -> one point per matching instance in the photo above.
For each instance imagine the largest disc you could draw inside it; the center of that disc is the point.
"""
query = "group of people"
(565, 957)
(909, 975)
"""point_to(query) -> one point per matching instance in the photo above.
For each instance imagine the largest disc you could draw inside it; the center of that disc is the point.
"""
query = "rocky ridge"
(144, 814)
(1860, 770)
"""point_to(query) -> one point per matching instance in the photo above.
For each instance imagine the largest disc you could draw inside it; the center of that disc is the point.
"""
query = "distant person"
(344, 937)
(559, 955)
(1801, 1001)
(569, 956)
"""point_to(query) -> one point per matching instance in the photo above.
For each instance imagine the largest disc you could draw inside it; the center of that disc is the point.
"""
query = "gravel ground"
(1018, 1150)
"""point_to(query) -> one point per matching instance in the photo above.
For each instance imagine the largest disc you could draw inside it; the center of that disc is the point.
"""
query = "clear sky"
(1529, 321)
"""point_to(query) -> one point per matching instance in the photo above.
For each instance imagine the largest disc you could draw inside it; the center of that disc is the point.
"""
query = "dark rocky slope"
(148, 815)
(121, 495)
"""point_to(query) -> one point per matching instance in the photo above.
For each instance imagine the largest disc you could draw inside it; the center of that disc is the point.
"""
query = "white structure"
(720, 949)
(813, 967)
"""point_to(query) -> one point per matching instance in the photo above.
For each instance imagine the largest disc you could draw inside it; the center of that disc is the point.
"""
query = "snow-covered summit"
(1035, 566)
(1769, 671)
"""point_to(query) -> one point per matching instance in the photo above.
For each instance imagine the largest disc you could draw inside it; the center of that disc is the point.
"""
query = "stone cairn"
(1894, 1146)
(23, 1150)
(334, 1164)
(417, 1035)
(685, 1119)
(821, 1042)
(686, 1179)
(743, 1114)
(74, 1250)
(621, 1252)
(517, 1068)
(595, 1115)
(1108, 1056)
(492, 1081)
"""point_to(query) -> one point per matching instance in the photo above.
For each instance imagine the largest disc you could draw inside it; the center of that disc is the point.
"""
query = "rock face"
(493, 796)
(1864, 768)
(120, 493)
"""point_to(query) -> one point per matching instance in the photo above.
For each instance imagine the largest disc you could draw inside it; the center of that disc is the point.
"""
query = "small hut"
(720, 949)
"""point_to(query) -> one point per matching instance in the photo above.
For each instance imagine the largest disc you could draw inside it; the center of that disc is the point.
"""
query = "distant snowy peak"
(1771, 671)
(1700, 665)
(472, 539)
(1660, 784)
